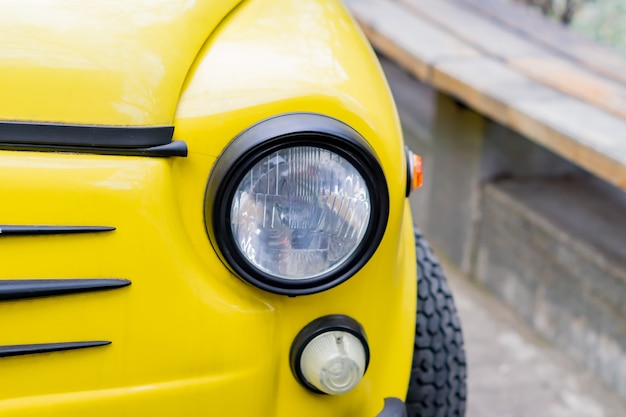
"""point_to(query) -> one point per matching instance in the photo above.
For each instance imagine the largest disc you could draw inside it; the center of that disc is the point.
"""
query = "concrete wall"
(536, 230)
(560, 268)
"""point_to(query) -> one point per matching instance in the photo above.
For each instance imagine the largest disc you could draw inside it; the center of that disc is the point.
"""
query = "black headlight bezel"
(264, 138)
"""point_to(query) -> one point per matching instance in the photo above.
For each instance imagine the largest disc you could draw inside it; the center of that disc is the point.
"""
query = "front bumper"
(394, 407)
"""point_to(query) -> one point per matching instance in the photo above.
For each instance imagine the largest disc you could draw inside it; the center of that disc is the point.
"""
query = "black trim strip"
(19, 289)
(175, 148)
(85, 135)
(28, 230)
(18, 350)
(409, 171)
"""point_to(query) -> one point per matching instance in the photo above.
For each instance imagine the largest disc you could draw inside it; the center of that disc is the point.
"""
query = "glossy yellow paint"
(189, 338)
(107, 62)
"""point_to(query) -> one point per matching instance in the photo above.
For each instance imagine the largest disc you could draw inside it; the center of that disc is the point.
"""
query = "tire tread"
(438, 383)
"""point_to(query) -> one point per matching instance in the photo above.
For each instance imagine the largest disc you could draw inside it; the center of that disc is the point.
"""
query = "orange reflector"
(413, 171)
(416, 163)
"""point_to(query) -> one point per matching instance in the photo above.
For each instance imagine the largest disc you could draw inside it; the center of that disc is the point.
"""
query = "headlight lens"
(300, 212)
(296, 204)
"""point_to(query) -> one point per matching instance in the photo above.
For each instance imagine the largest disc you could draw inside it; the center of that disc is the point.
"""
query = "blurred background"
(518, 108)
(603, 20)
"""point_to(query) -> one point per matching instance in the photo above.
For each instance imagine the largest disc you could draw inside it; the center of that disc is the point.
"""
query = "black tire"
(438, 376)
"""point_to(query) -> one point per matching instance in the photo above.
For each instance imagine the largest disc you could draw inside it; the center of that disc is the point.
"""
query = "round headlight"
(297, 204)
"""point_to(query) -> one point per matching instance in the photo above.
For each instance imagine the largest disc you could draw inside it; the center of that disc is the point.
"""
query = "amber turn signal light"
(414, 171)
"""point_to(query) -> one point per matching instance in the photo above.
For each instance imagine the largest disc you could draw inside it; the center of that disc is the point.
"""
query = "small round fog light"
(333, 362)
(330, 355)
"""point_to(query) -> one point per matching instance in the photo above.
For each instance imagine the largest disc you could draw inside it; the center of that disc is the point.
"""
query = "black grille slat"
(34, 230)
(33, 288)
(31, 349)
(19, 289)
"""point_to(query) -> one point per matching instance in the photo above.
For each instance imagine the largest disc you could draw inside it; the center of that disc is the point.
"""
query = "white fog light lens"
(300, 212)
(333, 362)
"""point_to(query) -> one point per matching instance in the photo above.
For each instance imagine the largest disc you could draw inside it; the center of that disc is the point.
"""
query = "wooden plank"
(473, 28)
(577, 130)
(575, 81)
(599, 58)
(574, 129)
(523, 54)
(408, 39)
(488, 85)
(590, 127)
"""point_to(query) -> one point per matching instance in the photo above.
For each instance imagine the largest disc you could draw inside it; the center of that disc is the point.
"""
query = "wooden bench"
(511, 65)
(522, 126)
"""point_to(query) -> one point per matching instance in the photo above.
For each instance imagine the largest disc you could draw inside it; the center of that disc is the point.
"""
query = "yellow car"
(203, 212)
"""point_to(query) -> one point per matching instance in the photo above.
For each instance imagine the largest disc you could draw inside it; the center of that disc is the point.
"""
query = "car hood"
(101, 62)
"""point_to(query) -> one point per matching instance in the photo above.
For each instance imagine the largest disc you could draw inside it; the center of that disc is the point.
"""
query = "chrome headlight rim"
(259, 141)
